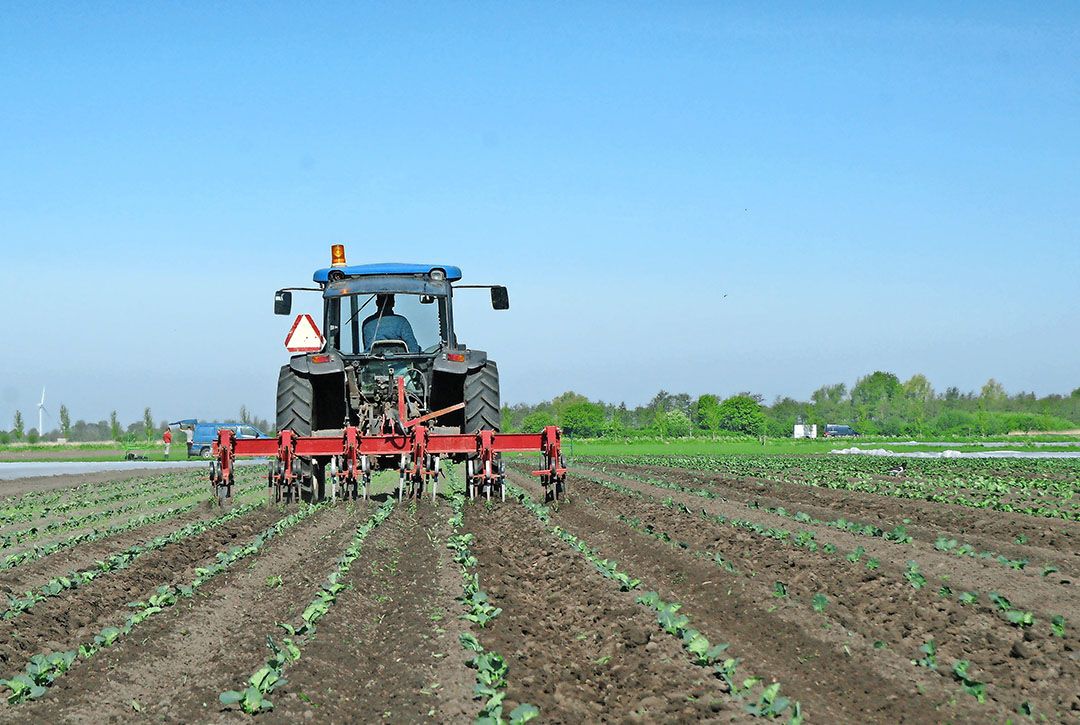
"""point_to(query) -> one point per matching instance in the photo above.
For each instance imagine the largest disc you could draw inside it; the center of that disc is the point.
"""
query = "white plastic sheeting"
(11, 471)
(956, 454)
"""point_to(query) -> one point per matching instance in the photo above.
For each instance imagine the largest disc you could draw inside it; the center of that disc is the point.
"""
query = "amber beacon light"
(337, 255)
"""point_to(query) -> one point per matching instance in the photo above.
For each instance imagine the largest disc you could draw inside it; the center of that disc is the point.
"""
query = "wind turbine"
(41, 413)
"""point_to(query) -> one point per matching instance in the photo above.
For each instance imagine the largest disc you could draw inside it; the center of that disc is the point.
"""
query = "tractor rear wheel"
(295, 400)
(482, 399)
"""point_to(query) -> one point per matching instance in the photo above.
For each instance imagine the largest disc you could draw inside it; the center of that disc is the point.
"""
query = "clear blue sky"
(871, 188)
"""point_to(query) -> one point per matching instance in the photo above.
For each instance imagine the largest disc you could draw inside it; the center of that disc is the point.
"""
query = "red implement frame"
(417, 449)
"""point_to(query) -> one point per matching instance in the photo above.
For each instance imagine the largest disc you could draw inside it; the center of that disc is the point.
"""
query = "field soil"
(855, 626)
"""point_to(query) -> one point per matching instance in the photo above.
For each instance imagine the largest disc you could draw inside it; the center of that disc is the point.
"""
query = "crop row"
(39, 552)
(999, 606)
(806, 540)
(115, 562)
(897, 535)
(89, 496)
(965, 482)
(32, 683)
(270, 676)
(490, 666)
(78, 522)
(760, 701)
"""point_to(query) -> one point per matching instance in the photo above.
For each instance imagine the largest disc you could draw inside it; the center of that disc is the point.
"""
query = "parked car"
(838, 431)
(204, 434)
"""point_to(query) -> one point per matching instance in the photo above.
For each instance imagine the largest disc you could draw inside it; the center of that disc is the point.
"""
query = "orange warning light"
(337, 255)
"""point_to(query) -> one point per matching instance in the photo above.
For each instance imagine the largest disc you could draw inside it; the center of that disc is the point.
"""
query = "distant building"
(802, 430)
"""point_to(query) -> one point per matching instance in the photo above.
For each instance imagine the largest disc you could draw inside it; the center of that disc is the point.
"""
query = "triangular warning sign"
(304, 336)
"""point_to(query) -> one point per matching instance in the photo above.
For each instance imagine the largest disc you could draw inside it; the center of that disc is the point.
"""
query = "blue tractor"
(382, 323)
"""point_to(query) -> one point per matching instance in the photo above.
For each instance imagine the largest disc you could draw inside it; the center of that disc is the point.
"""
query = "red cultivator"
(340, 466)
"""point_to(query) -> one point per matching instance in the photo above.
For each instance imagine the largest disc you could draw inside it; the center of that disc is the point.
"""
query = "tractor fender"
(473, 359)
(328, 362)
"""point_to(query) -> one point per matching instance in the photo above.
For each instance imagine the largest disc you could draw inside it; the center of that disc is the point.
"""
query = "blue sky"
(870, 187)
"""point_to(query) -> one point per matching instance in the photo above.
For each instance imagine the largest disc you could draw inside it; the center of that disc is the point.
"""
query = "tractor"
(388, 387)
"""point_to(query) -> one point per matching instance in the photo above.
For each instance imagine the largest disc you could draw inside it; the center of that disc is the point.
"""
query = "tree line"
(877, 404)
(81, 431)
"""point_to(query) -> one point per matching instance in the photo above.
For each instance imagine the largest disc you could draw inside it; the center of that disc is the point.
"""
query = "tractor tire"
(295, 400)
(482, 410)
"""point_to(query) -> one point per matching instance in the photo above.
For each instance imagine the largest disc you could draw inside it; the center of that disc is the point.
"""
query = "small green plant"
(1057, 624)
(780, 590)
(914, 576)
(273, 582)
(973, 687)
(929, 658)
(819, 602)
(1020, 618)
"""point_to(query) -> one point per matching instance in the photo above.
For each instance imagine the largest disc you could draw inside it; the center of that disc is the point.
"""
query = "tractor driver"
(385, 325)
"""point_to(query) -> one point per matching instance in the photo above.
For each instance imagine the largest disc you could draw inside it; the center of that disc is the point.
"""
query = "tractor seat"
(389, 347)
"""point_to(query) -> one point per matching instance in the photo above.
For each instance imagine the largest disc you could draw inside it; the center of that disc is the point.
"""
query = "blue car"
(204, 434)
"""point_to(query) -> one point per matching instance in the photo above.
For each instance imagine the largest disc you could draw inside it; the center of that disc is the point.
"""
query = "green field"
(576, 446)
(781, 446)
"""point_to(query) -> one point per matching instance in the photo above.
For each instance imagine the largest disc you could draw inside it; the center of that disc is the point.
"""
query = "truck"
(204, 434)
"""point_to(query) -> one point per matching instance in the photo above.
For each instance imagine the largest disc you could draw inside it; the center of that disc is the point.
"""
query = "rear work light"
(320, 358)
(337, 255)
(455, 357)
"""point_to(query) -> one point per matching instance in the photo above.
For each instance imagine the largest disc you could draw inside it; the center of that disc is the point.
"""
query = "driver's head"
(385, 303)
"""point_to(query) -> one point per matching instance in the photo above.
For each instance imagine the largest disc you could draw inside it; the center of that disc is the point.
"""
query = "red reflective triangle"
(304, 336)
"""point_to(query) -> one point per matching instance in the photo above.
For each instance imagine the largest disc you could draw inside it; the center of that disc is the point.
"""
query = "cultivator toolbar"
(340, 466)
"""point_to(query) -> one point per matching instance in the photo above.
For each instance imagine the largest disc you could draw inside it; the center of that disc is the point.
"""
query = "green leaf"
(523, 713)
(470, 642)
(1058, 625)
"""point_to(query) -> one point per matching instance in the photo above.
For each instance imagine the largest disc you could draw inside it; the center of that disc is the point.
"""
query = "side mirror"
(500, 300)
(282, 302)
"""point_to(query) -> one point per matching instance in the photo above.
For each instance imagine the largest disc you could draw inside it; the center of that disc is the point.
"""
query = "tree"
(918, 395)
(993, 395)
(708, 412)
(17, 431)
(918, 388)
(536, 421)
(148, 424)
(582, 419)
(742, 414)
(674, 423)
(65, 421)
(245, 416)
(872, 396)
(114, 426)
(661, 401)
(33, 436)
(828, 403)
